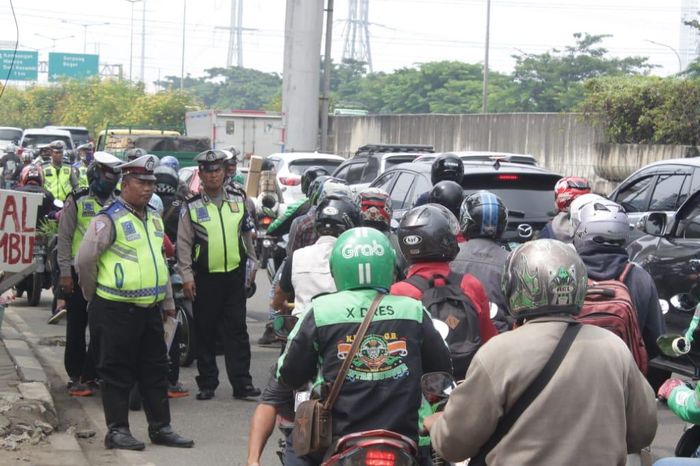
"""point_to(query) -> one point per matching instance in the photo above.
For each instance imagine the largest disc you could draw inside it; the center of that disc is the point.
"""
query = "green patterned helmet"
(544, 277)
(362, 258)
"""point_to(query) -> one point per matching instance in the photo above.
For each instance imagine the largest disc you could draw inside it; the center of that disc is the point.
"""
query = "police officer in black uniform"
(124, 278)
(214, 240)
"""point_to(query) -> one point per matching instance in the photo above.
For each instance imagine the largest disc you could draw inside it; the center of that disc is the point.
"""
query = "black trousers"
(174, 358)
(220, 310)
(78, 357)
(131, 349)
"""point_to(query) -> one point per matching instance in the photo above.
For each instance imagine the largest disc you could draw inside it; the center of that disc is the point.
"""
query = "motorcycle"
(273, 252)
(374, 448)
(676, 355)
(184, 316)
(45, 243)
(437, 388)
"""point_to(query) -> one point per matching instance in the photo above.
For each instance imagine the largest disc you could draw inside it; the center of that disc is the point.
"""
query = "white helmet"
(577, 204)
(602, 221)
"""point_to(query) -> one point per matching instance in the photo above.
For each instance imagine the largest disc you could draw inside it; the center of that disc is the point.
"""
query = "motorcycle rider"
(600, 239)
(684, 402)
(283, 223)
(378, 393)
(166, 188)
(31, 180)
(307, 273)
(449, 194)
(11, 166)
(446, 167)
(268, 184)
(85, 158)
(428, 239)
(483, 221)
(58, 176)
(78, 210)
(565, 191)
(568, 422)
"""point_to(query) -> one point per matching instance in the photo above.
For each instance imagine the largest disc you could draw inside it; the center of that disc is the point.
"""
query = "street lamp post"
(680, 63)
(131, 43)
(485, 93)
(182, 61)
(85, 26)
(143, 43)
(53, 39)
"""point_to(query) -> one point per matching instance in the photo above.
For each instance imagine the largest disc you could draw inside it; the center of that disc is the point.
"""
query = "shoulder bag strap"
(535, 388)
(625, 272)
(420, 283)
(340, 378)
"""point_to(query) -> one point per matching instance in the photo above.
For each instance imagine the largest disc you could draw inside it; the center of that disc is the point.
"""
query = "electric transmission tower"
(235, 35)
(689, 43)
(357, 33)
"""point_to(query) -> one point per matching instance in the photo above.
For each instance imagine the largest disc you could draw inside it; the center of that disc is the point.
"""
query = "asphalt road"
(219, 426)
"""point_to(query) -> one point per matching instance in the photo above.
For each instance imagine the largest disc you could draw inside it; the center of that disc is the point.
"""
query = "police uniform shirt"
(186, 235)
(98, 238)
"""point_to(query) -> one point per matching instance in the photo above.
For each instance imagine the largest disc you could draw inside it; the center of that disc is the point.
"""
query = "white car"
(291, 165)
(34, 137)
(9, 135)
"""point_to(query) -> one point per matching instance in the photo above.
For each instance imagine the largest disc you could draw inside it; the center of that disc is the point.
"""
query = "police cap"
(210, 160)
(142, 167)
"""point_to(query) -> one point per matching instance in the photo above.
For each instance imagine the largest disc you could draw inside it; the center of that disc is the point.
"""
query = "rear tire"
(689, 442)
(34, 292)
(187, 343)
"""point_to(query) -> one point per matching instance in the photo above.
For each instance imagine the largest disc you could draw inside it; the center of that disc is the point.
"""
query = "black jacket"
(608, 262)
(485, 258)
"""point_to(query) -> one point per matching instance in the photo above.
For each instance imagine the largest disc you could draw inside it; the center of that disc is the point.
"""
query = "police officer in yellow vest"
(59, 179)
(78, 210)
(124, 278)
(214, 240)
(84, 159)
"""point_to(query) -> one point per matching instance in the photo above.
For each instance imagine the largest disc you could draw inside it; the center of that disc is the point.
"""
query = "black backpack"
(449, 304)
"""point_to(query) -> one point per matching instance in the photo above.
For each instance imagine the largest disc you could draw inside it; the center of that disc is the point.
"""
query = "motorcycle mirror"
(673, 345)
(664, 306)
(58, 203)
(493, 310)
(441, 328)
(283, 325)
(684, 302)
(437, 384)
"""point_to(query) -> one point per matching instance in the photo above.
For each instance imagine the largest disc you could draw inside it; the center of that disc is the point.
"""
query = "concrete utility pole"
(325, 99)
(182, 62)
(485, 96)
(300, 88)
(143, 44)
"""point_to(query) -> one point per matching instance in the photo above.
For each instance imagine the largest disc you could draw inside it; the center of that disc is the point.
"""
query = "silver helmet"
(544, 277)
(602, 222)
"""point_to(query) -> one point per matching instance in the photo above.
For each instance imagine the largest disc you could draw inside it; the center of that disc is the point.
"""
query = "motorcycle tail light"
(290, 180)
(380, 458)
(266, 221)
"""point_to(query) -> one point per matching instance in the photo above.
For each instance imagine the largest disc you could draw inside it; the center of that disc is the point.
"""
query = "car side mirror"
(654, 224)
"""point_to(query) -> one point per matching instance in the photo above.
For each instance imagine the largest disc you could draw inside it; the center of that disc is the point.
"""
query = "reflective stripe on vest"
(217, 234)
(133, 268)
(86, 207)
(57, 181)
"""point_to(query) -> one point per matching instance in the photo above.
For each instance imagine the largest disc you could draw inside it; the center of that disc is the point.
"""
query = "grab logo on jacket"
(380, 357)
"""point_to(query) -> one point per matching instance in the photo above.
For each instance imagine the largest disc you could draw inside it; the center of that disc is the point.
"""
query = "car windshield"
(299, 166)
(393, 161)
(80, 136)
(10, 134)
(524, 195)
(33, 140)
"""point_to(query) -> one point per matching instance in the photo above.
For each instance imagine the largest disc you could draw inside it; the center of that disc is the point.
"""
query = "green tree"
(553, 81)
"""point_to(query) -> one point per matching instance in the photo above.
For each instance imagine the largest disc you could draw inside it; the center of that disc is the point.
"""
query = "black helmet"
(544, 277)
(448, 194)
(166, 180)
(428, 233)
(309, 175)
(483, 215)
(335, 215)
(267, 165)
(447, 167)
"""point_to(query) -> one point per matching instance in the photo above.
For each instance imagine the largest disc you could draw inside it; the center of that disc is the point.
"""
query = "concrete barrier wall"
(562, 142)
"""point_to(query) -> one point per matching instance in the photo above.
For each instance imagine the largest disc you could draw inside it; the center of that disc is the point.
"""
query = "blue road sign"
(72, 65)
(24, 68)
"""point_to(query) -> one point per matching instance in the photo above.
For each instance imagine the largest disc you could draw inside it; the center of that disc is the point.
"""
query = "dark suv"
(526, 190)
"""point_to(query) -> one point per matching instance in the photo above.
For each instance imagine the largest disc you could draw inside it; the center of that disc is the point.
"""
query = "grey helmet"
(577, 204)
(602, 222)
(544, 277)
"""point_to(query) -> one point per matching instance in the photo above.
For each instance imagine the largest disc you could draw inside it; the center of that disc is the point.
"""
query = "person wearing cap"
(124, 277)
(214, 241)
(78, 210)
(134, 153)
(85, 158)
(231, 165)
(58, 176)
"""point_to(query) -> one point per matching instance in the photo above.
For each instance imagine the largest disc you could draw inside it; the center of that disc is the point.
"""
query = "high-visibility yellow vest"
(133, 268)
(57, 180)
(86, 207)
(217, 246)
(82, 177)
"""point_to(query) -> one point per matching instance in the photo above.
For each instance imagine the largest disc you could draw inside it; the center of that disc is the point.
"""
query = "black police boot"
(167, 437)
(248, 391)
(205, 394)
(121, 438)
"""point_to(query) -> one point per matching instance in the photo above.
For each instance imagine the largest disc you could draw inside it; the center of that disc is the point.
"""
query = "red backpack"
(609, 305)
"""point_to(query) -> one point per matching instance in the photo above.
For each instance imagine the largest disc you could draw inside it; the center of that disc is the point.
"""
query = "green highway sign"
(72, 65)
(24, 68)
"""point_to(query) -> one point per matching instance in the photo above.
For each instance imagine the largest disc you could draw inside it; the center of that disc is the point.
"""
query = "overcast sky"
(404, 31)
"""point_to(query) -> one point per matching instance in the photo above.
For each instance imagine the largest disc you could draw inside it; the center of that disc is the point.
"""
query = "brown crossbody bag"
(313, 425)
